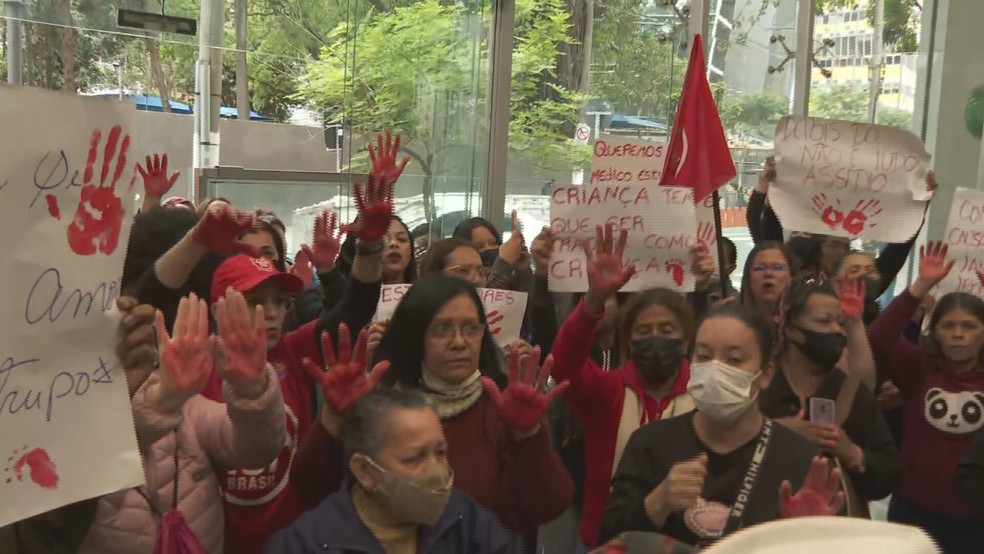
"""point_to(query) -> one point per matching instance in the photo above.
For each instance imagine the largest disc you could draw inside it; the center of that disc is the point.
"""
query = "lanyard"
(751, 475)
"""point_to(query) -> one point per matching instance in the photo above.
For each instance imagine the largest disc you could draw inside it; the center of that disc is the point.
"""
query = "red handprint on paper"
(99, 215)
(495, 317)
(706, 233)
(853, 221)
(677, 270)
(42, 469)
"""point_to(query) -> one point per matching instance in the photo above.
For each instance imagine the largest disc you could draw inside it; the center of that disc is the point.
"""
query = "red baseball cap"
(244, 273)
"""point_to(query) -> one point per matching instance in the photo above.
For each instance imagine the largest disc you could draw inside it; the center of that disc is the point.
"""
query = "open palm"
(187, 356)
(345, 380)
(820, 494)
(242, 342)
(326, 242)
(851, 293)
(523, 405)
(607, 273)
(933, 266)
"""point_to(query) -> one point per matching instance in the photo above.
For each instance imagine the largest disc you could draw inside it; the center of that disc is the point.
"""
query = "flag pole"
(718, 234)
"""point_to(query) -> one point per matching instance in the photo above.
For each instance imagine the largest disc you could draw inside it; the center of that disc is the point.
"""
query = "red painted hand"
(851, 294)
(607, 273)
(344, 380)
(241, 353)
(99, 215)
(384, 166)
(522, 405)
(219, 230)
(187, 356)
(933, 266)
(327, 242)
(375, 210)
(819, 496)
(155, 179)
(302, 267)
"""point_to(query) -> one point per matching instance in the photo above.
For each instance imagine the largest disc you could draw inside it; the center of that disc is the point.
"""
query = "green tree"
(850, 103)
(901, 32)
(422, 69)
(634, 67)
(845, 101)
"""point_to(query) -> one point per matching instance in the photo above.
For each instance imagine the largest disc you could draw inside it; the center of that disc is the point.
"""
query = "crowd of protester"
(274, 414)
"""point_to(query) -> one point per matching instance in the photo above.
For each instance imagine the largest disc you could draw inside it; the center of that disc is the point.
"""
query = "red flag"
(698, 155)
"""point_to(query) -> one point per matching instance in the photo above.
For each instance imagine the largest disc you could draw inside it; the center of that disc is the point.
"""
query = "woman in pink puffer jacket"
(185, 438)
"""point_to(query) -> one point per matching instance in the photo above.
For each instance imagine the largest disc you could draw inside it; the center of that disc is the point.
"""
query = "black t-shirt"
(656, 447)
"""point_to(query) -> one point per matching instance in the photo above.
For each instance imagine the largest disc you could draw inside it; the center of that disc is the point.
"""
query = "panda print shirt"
(943, 410)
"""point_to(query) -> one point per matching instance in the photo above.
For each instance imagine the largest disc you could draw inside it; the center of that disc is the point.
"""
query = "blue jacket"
(334, 527)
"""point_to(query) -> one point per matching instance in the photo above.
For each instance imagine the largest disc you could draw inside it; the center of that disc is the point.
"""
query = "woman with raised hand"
(823, 387)
(186, 439)
(724, 466)
(438, 342)
(943, 387)
(654, 332)
(400, 496)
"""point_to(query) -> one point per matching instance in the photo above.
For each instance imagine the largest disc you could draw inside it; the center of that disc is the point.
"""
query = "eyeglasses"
(762, 268)
(446, 330)
(481, 273)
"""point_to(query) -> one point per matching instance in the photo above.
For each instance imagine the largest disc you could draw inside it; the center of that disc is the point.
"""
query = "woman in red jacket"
(943, 387)
(655, 331)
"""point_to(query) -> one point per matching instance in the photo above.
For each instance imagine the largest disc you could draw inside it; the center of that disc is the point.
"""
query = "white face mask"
(720, 391)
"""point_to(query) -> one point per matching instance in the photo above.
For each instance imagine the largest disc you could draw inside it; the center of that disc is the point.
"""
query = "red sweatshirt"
(942, 410)
(597, 397)
(523, 482)
(258, 503)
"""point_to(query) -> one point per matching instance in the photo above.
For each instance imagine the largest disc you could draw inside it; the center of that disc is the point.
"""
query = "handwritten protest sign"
(849, 179)
(965, 236)
(64, 409)
(504, 309)
(661, 227)
(625, 162)
(706, 229)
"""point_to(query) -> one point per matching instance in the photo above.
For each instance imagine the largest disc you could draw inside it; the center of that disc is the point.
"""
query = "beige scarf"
(634, 416)
(450, 400)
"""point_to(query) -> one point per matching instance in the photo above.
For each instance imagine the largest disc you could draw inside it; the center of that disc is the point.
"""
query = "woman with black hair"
(822, 387)
(768, 269)
(943, 387)
(508, 263)
(724, 466)
(438, 342)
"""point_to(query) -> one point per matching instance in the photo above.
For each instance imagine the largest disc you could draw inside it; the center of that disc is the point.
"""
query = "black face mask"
(489, 256)
(823, 349)
(657, 358)
(871, 307)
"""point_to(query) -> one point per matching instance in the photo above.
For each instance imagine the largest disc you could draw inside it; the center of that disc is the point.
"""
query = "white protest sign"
(67, 426)
(504, 309)
(660, 223)
(849, 179)
(706, 229)
(625, 162)
(965, 237)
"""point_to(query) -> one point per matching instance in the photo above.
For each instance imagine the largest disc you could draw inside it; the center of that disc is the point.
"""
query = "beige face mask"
(420, 499)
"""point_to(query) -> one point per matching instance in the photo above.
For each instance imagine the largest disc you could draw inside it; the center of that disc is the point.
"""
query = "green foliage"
(634, 68)
(901, 20)
(850, 103)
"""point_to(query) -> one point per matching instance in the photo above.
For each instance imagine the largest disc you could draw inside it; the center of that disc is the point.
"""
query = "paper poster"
(846, 179)
(706, 230)
(965, 236)
(661, 226)
(65, 174)
(620, 161)
(504, 309)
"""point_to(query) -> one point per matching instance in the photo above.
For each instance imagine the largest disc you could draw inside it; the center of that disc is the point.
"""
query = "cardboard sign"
(661, 227)
(619, 161)
(65, 179)
(846, 179)
(504, 309)
(965, 236)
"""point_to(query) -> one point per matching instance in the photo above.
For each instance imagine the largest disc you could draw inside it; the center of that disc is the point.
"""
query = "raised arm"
(885, 333)
(860, 359)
